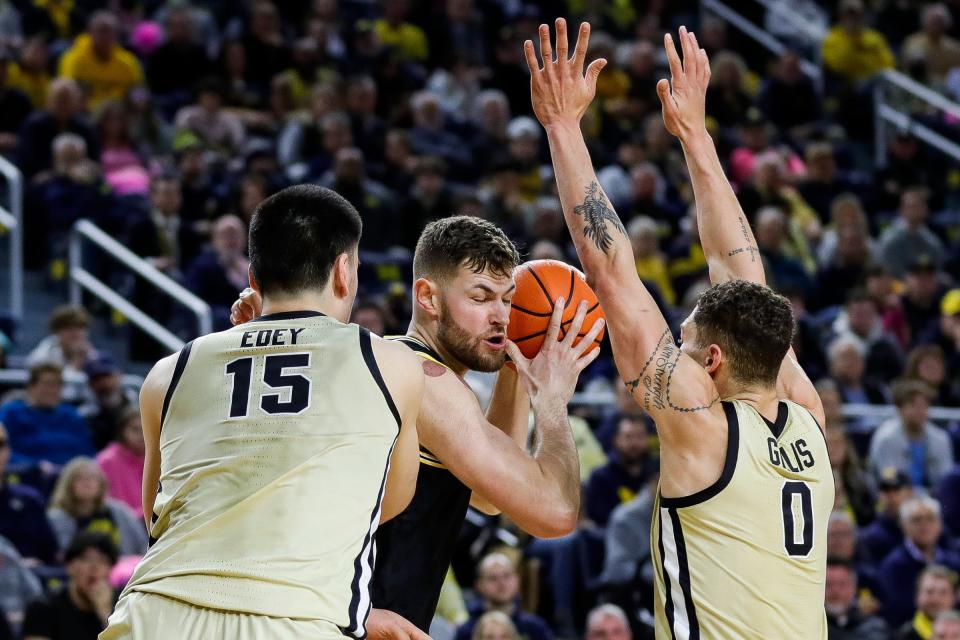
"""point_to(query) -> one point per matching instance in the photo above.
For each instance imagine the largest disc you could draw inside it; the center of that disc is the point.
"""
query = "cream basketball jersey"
(745, 559)
(274, 451)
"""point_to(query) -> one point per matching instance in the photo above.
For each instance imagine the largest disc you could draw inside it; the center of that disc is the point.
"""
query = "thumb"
(516, 356)
(663, 90)
(593, 71)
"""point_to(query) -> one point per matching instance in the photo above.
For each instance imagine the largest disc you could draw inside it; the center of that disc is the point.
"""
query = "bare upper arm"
(153, 393)
(794, 385)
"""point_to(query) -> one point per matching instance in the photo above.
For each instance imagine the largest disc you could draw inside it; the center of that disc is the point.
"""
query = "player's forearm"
(598, 234)
(725, 234)
(556, 455)
(509, 408)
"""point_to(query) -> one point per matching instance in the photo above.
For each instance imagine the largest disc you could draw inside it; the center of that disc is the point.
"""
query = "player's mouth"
(496, 342)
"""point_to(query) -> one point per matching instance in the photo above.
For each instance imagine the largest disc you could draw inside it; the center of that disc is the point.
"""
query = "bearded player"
(739, 531)
(463, 270)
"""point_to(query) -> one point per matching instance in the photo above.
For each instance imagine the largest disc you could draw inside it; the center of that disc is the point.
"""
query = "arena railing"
(906, 105)
(11, 219)
(82, 279)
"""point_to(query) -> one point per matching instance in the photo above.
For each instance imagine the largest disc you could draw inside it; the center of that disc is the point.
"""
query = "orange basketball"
(539, 284)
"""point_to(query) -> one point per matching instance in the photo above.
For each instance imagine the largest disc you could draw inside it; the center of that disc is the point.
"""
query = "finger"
(689, 54)
(663, 91)
(516, 357)
(704, 66)
(580, 50)
(593, 72)
(577, 323)
(553, 329)
(676, 69)
(531, 56)
(584, 361)
(546, 51)
(414, 633)
(591, 336)
(561, 26)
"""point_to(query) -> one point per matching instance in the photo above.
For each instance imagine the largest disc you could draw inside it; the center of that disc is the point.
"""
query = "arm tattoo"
(750, 248)
(596, 212)
(658, 384)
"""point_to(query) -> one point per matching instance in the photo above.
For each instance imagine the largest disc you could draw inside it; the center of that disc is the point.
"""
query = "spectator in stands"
(847, 357)
(789, 98)
(846, 270)
(218, 128)
(68, 346)
(99, 63)
(14, 108)
(80, 504)
(429, 198)
(374, 201)
(910, 442)
(23, 520)
(608, 622)
(31, 72)
(394, 30)
(852, 50)
(79, 610)
(110, 400)
(853, 489)
(860, 320)
(946, 626)
(495, 625)
(18, 587)
(843, 544)
(845, 621)
(949, 493)
(167, 241)
(921, 299)
(823, 182)
(930, 54)
(627, 538)
(936, 594)
(651, 262)
(928, 364)
(41, 427)
(629, 467)
(647, 195)
(123, 168)
(784, 265)
(727, 97)
(846, 212)
(221, 271)
(372, 316)
(909, 236)
(180, 62)
(122, 460)
(63, 114)
(498, 588)
(900, 571)
(884, 534)
(430, 135)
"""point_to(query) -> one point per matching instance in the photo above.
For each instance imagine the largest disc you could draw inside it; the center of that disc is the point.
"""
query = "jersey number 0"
(797, 536)
(275, 376)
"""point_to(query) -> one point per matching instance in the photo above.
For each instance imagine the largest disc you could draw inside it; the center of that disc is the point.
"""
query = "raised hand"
(552, 374)
(247, 307)
(560, 91)
(684, 96)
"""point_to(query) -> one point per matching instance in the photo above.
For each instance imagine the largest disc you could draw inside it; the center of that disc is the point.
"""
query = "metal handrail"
(794, 18)
(758, 34)
(80, 279)
(12, 219)
(885, 114)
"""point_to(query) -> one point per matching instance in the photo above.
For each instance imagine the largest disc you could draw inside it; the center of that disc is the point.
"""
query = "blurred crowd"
(166, 122)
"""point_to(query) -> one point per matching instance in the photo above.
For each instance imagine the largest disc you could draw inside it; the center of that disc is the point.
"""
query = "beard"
(467, 349)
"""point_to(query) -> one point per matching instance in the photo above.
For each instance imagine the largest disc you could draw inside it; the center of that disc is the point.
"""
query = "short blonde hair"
(494, 617)
(63, 497)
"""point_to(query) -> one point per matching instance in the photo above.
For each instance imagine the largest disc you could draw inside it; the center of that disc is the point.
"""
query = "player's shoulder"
(393, 357)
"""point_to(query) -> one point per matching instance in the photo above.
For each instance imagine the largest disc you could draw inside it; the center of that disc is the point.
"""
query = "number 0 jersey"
(274, 452)
(745, 559)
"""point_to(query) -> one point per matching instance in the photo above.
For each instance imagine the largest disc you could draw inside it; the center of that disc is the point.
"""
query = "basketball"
(539, 284)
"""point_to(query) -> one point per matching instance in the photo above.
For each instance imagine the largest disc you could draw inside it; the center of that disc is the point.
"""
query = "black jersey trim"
(778, 425)
(289, 315)
(668, 597)
(419, 347)
(367, 350)
(729, 465)
(368, 551)
(177, 374)
(684, 575)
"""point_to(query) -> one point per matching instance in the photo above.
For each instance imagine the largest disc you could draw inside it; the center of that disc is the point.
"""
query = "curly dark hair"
(751, 323)
(448, 243)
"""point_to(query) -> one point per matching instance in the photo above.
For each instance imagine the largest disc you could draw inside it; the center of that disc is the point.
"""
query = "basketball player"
(739, 531)
(274, 450)
(463, 270)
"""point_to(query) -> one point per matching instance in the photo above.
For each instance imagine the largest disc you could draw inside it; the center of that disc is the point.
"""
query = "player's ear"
(713, 359)
(253, 281)
(340, 276)
(425, 295)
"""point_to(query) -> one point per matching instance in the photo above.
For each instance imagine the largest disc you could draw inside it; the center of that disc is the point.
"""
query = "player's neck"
(324, 303)
(764, 400)
(428, 336)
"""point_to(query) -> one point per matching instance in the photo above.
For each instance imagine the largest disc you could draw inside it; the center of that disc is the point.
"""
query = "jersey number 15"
(294, 386)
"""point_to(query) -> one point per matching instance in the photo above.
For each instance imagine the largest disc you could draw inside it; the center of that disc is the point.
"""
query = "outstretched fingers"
(561, 26)
(556, 319)
(580, 49)
(673, 58)
(546, 50)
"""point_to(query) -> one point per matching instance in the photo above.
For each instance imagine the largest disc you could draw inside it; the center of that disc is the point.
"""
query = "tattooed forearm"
(658, 383)
(596, 213)
(750, 248)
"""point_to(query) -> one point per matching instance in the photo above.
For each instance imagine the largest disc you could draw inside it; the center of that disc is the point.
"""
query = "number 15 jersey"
(745, 559)
(274, 450)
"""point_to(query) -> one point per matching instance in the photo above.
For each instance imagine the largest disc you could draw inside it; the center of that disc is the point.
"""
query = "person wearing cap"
(910, 442)
(947, 334)
(852, 50)
(884, 534)
(79, 611)
(110, 399)
(909, 236)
